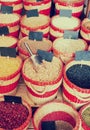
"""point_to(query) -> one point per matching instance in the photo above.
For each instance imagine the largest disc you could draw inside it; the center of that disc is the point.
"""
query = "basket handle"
(43, 91)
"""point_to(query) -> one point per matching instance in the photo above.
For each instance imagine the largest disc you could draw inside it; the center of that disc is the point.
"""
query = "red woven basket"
(54, 111)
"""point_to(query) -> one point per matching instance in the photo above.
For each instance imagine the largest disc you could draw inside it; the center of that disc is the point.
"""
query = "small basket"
(54, 111)
(82, 109)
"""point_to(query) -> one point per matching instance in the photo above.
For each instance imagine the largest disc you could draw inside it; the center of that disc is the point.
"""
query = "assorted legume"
(12, 115)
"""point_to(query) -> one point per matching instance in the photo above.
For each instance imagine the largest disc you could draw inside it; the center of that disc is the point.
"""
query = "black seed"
(79, 75)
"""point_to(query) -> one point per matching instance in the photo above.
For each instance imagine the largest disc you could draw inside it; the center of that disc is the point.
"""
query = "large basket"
(16, 4)
(26, 124)
(8, 84)
(40, 92)
(12, 24)
(8, 41)
(42, 22)
(85, 30)
(43, 6)
(45, 45)
(54, 111)
(59, 25)
(65, 48)
(75, 6)
(72, 93)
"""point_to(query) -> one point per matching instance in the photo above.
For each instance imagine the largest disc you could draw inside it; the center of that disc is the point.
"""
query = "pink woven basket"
(43, 6)
(54, 111)
(13, 26)
(72, 93)
(8, 84)
(16, 4)
(42, 91)
(26, 124)
(76, 6)
(57, 26)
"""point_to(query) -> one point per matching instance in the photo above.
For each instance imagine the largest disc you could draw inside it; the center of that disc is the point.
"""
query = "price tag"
(48, 56)
(48, 125)
(6, 51)
(71, 34)
(38, 36)
(82, 55)
(32, 13)
(6, 9)
(66, 13)
(4, 30)
(12, 99)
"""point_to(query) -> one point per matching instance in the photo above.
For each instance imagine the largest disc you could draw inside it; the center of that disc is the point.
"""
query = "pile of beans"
(79, 74)
(12, 115)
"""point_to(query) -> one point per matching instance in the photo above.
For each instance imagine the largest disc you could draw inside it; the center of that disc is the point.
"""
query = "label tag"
(65, 13)
(38, 0)
(33, 110)
(48, 56)
(71, 34)
(4, 30)
(32, 13)
(82, 55)
(6, 9)
(13, 99)
(6, 51)
(38, 36)
(48, 125)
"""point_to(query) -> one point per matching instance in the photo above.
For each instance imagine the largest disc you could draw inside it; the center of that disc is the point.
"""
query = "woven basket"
(75, 6)
(8, 41)
(40, 92)
(43, 26)
(8, 84)
(57, 29)
(26, 124)
(13, 26)
(84, 31)
(45, 44)
(43, 6)
(54, 111)
(68, 54)
(73, 93)
(16, 4)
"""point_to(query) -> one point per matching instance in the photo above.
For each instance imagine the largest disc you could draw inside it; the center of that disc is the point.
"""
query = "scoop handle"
(28, 48)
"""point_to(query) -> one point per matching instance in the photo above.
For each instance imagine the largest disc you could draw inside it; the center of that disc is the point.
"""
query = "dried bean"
(12, 115)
